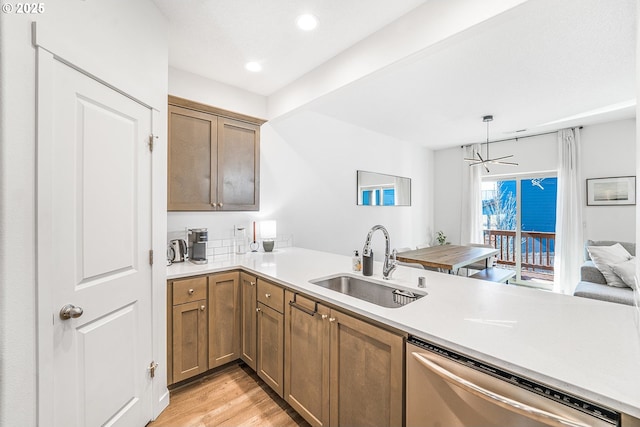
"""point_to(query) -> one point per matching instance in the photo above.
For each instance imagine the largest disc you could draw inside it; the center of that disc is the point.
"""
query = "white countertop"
(586, 347)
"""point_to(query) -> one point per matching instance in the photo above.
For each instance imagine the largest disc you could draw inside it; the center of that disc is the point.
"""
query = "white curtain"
(569, 236)
(471, 203)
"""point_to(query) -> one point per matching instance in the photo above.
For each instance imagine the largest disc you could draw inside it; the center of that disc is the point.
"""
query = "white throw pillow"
(604, 257)
(626, 270)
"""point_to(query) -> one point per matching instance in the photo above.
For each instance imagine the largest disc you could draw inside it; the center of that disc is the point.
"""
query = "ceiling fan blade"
(506, 163)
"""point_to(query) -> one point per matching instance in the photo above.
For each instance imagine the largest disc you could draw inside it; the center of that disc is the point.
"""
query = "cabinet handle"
(220, 205)
(267, 295)
(202, 307)
(191, 291)
(302, 309)
(258, 309)
(253, 283)
(332, 319)
(324, 316)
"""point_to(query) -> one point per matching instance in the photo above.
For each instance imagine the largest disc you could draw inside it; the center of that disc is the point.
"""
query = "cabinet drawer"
(271, 295)
(188, 290)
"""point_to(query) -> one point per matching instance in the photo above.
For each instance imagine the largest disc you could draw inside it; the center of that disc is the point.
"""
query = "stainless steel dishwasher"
(445, 388)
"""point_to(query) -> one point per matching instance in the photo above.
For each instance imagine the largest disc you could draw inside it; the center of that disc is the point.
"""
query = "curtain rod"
(516, 137)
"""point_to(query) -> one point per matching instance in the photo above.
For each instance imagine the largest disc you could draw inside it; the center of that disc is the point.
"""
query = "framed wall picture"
(620, 190)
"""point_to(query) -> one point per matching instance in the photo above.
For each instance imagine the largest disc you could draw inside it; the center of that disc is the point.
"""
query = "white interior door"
(94, 237)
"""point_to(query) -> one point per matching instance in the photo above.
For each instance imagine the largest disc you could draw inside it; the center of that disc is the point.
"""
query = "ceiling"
(538, 67)
(215, 38)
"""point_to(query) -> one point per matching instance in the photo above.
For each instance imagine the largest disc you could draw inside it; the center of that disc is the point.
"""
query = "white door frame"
(44, 321)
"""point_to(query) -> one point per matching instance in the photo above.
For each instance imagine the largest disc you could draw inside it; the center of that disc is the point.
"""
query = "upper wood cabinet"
(213, 158)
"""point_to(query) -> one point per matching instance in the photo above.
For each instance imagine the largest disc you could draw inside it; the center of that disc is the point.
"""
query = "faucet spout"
(389, 264)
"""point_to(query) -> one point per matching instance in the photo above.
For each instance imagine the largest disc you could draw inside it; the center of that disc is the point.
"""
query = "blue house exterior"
(538, 205)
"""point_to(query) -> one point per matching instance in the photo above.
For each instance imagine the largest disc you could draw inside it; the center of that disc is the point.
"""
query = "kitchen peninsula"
(585, 347)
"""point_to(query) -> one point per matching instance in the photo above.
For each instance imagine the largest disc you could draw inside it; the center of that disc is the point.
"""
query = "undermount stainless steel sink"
(369, 290)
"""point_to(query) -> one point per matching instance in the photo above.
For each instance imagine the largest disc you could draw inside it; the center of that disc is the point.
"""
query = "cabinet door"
(238, 165)
(224, 318)
(270, 347)
(306, 377)
(192, 160)
(248, 319)
(366, 373)
(189, 339)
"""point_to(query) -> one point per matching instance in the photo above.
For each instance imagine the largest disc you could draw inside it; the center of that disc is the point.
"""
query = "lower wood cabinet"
(224, 318)
(248, 319)
(187, 328)
(333, 368)
(340, 370)
(270, 339)
(366, 379)
(306, 376)
(203, 324)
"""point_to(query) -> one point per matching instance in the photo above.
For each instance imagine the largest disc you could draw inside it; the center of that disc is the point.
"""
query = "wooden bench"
(494, 274)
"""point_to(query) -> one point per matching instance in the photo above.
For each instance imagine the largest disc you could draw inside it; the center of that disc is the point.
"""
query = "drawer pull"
(253, 283)
(258, 309)
(302, 309)
(324, 316)
(267, 295)
(332, 319)
(191, 291)
(202, 307)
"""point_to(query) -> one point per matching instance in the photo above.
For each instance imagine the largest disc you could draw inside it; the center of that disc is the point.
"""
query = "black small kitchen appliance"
(198, 245)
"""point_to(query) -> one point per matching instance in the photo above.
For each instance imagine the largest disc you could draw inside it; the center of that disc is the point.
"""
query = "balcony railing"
(538, 250)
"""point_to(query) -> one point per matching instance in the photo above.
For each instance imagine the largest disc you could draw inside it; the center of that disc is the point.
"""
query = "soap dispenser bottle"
(356, 262)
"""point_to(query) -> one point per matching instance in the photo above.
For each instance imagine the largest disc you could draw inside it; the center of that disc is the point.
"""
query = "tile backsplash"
(226, 245)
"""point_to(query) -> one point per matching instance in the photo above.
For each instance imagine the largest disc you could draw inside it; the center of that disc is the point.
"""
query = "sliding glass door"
(519, 216)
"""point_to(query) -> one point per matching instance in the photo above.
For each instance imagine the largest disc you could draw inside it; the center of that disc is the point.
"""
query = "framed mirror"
(378, 189)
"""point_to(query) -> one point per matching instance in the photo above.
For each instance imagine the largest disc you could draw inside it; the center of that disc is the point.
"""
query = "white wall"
(197, 88)
(309, 168)
(608, 149)
(103, 38)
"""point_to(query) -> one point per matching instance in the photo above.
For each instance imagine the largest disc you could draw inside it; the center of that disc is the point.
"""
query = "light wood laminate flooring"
(233, 396)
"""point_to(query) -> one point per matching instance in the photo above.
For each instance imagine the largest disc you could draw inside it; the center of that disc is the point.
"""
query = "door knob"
(70, 311)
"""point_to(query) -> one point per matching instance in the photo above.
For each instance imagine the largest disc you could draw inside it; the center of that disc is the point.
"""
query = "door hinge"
(152, 368)
(151, 138)
(150, 256)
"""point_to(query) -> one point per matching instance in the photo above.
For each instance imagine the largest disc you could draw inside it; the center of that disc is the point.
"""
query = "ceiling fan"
(484, 161)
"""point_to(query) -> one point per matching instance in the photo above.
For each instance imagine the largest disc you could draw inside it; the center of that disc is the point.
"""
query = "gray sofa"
(593, 284)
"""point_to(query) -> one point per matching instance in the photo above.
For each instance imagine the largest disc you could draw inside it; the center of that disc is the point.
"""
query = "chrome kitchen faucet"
(389, 265)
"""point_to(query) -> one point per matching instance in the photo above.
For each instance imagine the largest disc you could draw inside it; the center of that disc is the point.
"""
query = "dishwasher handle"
(510, 404)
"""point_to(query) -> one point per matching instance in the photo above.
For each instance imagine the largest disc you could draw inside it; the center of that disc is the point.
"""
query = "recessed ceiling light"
(253, 66)
(307, 22)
